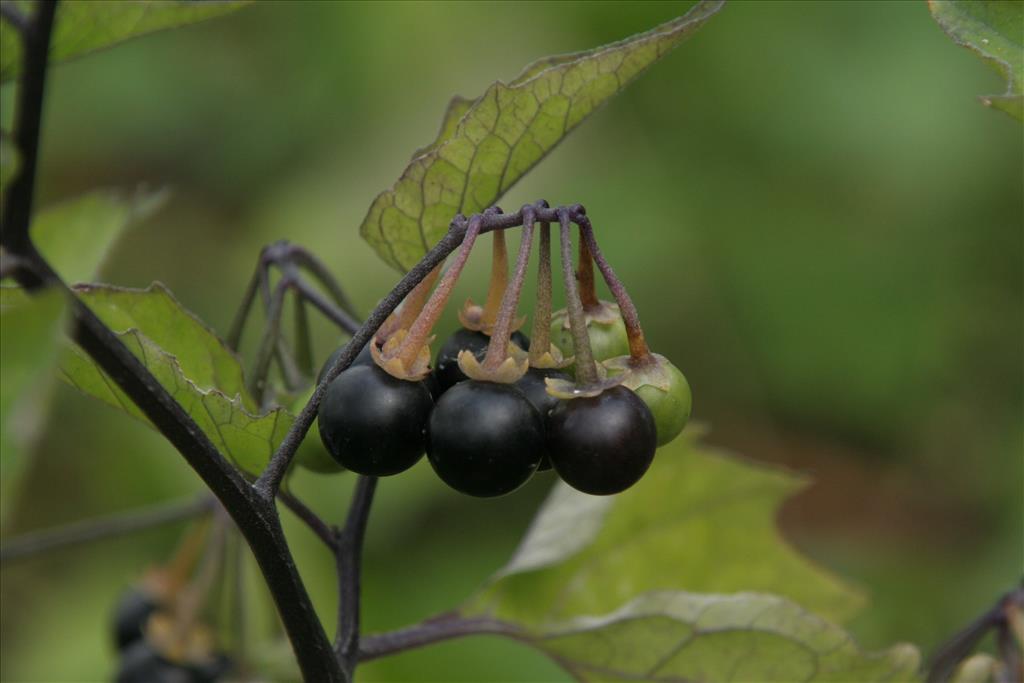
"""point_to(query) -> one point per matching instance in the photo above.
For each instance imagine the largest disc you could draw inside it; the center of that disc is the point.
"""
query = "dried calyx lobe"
(446, 366)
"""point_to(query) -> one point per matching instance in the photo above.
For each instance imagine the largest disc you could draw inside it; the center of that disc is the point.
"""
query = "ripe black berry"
(485, 439)
(362, 358)
(446, 365)
(533, 387)
(604, 444)
(373, 423)
(130, 616)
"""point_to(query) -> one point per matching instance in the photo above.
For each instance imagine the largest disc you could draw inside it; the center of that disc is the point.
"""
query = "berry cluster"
(585, 396)
(158, 635)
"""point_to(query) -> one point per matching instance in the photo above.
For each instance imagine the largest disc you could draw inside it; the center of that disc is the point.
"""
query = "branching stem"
(111, 526)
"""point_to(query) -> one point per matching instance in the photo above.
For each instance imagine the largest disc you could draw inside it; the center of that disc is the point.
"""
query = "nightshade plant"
(607, 402)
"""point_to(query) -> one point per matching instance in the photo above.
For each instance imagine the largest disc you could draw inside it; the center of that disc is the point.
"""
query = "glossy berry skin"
(533, 387)
(373, 423)
(130, 616)
(446, 366)
(362, 358)
(604, 444)
(485, 439)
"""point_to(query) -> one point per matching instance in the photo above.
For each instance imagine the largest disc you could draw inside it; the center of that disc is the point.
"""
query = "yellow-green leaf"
(678, 636)
(683, 577)
(994, 29)
(699, 521)
(84, 26)
(489, 143)
(189, 360)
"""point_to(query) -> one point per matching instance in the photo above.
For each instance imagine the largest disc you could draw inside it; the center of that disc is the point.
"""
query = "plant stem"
(586, 369)
(234, 338)
(497, 348)
(638, 348)
(308, 517)
(432, 631)
(110, 526)
(18, 198)
(349, 561)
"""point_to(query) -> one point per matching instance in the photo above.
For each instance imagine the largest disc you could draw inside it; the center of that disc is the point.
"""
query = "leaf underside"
(488, 143)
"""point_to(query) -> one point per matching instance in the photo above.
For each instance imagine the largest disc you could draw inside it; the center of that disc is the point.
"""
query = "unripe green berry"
(607, 335)
(661, 385)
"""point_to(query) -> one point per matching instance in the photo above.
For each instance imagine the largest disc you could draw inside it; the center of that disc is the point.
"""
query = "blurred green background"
(819, 223)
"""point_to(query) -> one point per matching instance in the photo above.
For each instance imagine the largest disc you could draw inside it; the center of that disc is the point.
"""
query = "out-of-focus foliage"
(655, 583)
(994, 29)
(195, 366)
(486, 145)
(29, 332)
(9, 161)
(75, 237)
(83, 26)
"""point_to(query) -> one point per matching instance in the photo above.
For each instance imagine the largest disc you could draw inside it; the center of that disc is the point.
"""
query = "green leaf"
(189, 360)
(487, 144)
(699, 521)
(76, 236)
(683, 577)
(995, 30)
(84, 26)
(29, 334)
(677, 636)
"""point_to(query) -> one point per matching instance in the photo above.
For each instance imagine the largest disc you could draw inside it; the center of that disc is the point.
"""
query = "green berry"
(662, 387)
(607, 334)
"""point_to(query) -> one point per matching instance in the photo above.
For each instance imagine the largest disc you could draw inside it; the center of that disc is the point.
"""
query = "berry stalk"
(499, 281)
(586, 369)
(497, 349)
(540, 336)
(585, 275)
(416, 338)
(638, 349)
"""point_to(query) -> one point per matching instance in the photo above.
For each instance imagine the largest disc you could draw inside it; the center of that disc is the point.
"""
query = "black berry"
(130, 616)
(602, 445)
(446, 365)
(485, 439)
(533, 387)
(362, 358)
(373, 423)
